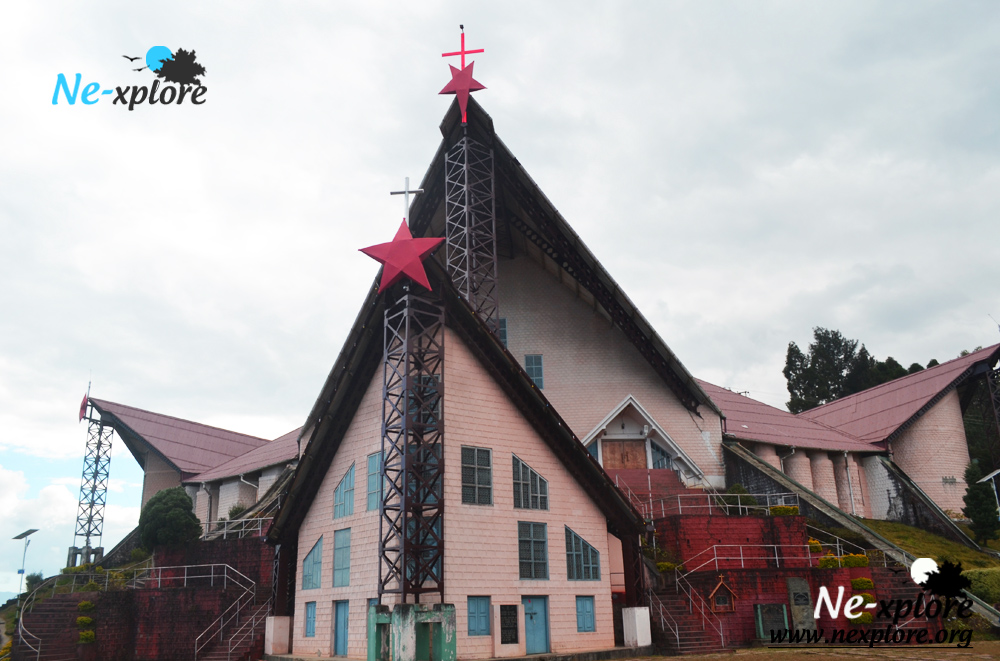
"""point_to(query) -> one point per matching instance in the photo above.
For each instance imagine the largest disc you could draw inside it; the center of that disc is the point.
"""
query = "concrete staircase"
(694, 635)
(653, 492)
(246, 641)
(54, 622)
(892, 585)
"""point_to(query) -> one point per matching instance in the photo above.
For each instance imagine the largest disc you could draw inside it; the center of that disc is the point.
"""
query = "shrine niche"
(722, 599)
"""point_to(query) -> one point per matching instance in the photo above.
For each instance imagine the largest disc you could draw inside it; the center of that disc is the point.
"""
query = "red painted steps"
(54, 622)
(251, 646)
(657, 487)
(695, 636)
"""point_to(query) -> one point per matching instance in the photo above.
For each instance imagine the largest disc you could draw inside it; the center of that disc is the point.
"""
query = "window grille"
(531, 490)
(312, 566)
(374, 481)
(583, 561)
(531, 550)
(533, 366)
(342, 558)
(310, 619)
(343, 495)
(477, 476)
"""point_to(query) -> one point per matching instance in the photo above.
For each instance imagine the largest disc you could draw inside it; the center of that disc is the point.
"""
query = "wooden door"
(629, 453)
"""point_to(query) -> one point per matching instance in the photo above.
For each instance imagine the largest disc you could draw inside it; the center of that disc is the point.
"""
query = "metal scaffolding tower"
(93, 492)
(411, 542)
(470, 227)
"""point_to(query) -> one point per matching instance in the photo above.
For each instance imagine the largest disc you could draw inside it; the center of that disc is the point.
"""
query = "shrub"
(815, 546)
(85, 606)
(855, 560)
(864, 618)
(168, 519)
(236, 510)
(829, 562)
(862, 583)
(83, 621)
(79, 569)
(664, 567)
(88, 636)
(91, 586)
(139, 554)
(785, 510)
(985, 584)
(736, 495)
(32, 581)
(866, 597)
(5, 650)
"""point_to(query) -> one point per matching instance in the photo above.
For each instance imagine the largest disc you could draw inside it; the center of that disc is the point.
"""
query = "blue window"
(310, 619)
(312, 567)
(583, 561)
(533, 366)
(477, 476)
(660, 457)
(531, 490)
(374, 481)
(532, 551)
(343, 496)
(502, 331)
(585, 614)
(592, 449)
(479, 616)
(342, 558)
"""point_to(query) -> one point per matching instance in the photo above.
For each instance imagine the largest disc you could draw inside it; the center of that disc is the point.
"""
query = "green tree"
(168, 519)
(818, 378)
(980, 505)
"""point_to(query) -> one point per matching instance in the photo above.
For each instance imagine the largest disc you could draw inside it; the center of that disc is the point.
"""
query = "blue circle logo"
(156, 55)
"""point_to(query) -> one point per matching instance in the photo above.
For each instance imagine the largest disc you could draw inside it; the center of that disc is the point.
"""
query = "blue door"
(340, 611)
(536, 624)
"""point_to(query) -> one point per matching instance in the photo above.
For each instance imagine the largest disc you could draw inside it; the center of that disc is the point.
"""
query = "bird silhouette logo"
(179, 67)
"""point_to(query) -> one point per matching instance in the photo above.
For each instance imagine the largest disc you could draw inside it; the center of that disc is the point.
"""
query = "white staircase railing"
(232, 614)
(667, 621)
(696, 603)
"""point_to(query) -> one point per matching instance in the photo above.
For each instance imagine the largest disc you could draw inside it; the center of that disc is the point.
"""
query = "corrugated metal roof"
(279, 451)
(874, 414)
(190, 446)
(750, 420)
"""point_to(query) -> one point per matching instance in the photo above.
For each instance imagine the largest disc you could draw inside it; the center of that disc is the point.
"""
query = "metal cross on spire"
(406, 197)
(461, 51)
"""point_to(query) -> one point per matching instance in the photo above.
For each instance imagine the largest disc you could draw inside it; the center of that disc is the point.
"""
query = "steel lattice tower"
(470, 227)
(93, 486)
(993, 386)
(411, 541)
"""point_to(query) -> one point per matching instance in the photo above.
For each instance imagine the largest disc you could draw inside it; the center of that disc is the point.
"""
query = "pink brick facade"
(824, 484)
(934, 450)
(767, 452)
(590, 366)
(481, 546)
(846, 488)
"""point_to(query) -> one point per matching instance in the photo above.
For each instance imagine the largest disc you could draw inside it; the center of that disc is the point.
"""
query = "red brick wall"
(688, 535)
(250, 556)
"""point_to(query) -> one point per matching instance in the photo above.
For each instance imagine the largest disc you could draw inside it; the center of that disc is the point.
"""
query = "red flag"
(83, 408)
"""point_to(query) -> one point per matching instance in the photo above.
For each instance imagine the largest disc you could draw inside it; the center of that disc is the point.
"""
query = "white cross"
(406, 196)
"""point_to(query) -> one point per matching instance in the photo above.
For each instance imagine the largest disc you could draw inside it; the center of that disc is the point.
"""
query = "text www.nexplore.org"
(873, 637)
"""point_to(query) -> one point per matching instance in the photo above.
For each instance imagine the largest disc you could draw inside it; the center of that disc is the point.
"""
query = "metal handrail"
(681, 583)
(237, 527)
(248, 628)
(742, 557)
(634, 499)
(840, 541)
(661, 610)
(230, 614)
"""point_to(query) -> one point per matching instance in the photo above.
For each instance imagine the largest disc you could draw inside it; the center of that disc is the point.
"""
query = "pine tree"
(980, 505)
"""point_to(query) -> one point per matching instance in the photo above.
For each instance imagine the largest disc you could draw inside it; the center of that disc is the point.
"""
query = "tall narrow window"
(342, 558)
(660, 457)
(532, 552)
(477, 476)
(310, 619)
(585, 614)
(479, 616)
(503, 330)
(531, 490)
(583, 561)
(312, 567)
(374, 481)
(343, 496)
(533, 366)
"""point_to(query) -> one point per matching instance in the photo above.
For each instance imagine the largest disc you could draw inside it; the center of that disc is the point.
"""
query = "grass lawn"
(924, 544)
(993, 543)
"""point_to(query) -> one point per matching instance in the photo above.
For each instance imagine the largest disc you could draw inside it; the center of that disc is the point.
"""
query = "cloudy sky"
(745, 170)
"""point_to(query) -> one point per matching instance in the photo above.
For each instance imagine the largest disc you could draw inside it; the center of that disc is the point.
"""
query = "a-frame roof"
(189, 447)
(881, 413)
(523, 208)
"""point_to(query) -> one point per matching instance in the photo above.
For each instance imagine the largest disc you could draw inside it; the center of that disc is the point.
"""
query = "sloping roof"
(880, 413)
(362, 351)
(750, 420)
(190, 447)
(281, 450)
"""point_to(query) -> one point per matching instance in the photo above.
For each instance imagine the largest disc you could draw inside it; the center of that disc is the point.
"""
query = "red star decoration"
(461, 84)
(403, 256)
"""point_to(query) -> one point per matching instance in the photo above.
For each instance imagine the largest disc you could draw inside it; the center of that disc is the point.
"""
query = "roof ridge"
(173, 417)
